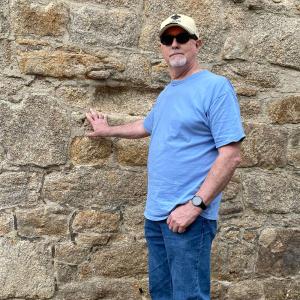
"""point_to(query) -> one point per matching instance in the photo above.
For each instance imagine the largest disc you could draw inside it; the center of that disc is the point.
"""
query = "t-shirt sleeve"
(225, 119)
(148, 121)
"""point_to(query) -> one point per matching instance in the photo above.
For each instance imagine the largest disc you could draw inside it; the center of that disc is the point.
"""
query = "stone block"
(282, 288)
(286, 110)
(257, 149)
(65, 273)
(76, 95)
(49, 220)
(84, 150)
(269, 37)
(248, 78)
(250, 108)
(133, 220)
(132, 152)
(36, 132)
(6, 223)
(279, 253)
(293, 154)
(57, 63)
(96, 25)
(124, 100)
(4, 19)
(11, 88)
(43, 20)
(246, 290)
(96, 221)
(26, 270)
(123, 259)
(101, 288)
(19, 189)
(5, 55)
(70, 253)
(269, 193)
(233, 259)
(89, 187)
(92, 239)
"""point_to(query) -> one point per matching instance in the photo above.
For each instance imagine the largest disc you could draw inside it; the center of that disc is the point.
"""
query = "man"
(196, 131)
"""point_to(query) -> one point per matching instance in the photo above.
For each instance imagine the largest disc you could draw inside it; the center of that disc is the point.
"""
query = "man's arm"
(219, 175)
(101, 128)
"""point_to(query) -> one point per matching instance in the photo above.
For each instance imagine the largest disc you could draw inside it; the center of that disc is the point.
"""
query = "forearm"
(133, 130)
(219, 175)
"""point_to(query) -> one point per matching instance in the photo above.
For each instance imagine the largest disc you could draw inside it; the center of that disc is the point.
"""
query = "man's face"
(179, 55)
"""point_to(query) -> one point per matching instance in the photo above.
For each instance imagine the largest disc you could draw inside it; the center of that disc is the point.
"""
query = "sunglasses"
(181, 38)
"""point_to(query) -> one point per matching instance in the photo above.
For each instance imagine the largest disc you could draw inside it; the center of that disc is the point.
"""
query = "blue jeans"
(179, 263)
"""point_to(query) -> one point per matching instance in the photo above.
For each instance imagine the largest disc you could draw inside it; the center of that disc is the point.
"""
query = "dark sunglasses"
(181, 38)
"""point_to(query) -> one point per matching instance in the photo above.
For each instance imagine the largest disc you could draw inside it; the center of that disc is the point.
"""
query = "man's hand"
(99, 124)
(183, 216)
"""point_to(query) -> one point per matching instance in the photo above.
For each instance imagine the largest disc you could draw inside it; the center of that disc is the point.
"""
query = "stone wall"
(71, 208)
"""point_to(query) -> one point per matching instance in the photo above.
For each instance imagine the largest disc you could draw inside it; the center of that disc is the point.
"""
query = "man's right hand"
(99, 124)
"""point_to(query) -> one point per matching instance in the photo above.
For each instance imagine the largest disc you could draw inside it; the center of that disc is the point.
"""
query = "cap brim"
(173, 25)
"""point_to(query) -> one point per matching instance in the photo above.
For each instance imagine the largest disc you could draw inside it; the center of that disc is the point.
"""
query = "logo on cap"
(176, 17)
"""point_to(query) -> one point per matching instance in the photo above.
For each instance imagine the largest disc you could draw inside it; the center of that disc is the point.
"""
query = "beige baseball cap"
(183, 21)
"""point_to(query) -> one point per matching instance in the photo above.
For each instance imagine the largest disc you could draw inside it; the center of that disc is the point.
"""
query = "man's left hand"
(183, 216)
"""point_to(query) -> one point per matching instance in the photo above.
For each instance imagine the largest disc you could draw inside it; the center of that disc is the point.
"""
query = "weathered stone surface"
(101, 288)
(248, 78)
(231, 202)
(96, 221)
(279, 252)
(43, 20)
(250, 108)
(36, 132)
(5, 54)
(293, 154)
(268, 192)
(281, 289)
(6, 223)
(286, 110)
(4, 18)
(133, 220)
(26, 270)
(124, 100)
(246, 290)
(265, 37)
(70, 253)
(76, 95)
(67, 64)
(132, 152)
(11, 89)
(84, 150)
(257, 149)
(19, 189)
(48, 220)
(92, 239)
(233, 259)
(89, 187)
(88, 22)
(122, 259)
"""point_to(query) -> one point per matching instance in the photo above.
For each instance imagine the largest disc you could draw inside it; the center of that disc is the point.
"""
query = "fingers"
(94, 115)
(173, 226)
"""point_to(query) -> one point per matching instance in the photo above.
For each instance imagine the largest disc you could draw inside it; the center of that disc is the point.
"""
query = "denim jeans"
(179, 263)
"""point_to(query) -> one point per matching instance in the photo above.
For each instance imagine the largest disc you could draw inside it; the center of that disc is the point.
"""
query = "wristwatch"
(198, 201)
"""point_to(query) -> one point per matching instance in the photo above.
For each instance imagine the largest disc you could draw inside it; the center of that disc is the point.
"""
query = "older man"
(196, 131)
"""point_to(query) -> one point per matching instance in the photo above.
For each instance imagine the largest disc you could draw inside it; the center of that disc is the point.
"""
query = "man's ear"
(199, 44)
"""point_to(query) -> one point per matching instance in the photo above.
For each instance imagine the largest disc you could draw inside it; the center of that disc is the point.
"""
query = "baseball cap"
(183, 21)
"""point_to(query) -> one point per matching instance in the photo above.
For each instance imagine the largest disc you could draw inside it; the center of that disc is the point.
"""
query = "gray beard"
(176, 62)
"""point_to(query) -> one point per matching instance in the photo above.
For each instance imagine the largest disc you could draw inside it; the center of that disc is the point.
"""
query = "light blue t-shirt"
(189, 121)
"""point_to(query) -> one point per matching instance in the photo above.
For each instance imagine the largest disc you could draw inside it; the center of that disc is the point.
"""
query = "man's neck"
(180, 73)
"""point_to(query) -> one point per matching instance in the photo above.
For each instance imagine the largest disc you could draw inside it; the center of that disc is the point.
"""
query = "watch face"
(196, 201)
